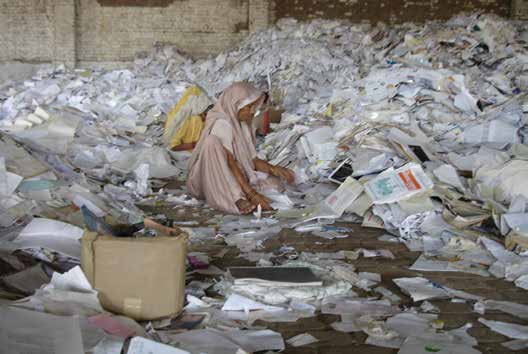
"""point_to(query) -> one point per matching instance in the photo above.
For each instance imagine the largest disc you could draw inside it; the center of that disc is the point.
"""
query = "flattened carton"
(139, 277)
(393, 186)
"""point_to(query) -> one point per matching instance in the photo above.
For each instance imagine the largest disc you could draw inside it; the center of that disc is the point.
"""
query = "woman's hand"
(277, 171)
(284, 173)
(264, 202)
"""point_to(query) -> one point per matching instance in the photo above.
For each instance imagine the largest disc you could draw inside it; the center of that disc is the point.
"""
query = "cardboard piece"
(270, 116)
(139, 277)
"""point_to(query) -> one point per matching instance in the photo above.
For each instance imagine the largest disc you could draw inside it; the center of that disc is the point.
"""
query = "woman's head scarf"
(234, 98)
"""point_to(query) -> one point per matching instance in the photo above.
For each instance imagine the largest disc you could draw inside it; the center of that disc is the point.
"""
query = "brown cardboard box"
(139, 277)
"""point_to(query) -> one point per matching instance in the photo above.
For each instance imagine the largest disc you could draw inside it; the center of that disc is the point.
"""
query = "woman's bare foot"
(244, 206)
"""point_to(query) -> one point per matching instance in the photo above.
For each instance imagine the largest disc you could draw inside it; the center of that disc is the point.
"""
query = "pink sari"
(209, 175)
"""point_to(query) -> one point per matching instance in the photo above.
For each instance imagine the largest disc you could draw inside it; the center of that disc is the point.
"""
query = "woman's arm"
(263, 166)
(277, 171)
(237, 172)
(250, 193)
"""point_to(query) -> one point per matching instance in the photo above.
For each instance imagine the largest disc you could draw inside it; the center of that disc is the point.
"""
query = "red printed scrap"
(332, 200)
(409, 180)
(112, 326)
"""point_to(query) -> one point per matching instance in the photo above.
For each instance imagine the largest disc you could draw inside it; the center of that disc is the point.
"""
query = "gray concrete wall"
(85, 32)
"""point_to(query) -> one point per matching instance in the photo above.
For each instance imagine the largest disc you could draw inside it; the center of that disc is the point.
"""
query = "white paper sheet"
(8, 181)
(346, 327)
(344, 196)
(67, 294)
(205, 341)
(448, 175)
(411, 324)
(54, 135)
(72, 280)
(522, 282)
(210, 341)
(52, 234)
(139, 345)
(512, 308)
(109, 346)
(352, 309)
(466, 102)
(302, 339)
(516, 344)
(495, 131)
(237, 302)
(430, 265)
(423, 289)
(510, 330)
(256, 341)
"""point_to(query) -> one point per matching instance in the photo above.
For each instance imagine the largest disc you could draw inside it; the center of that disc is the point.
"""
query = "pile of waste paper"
(418, 130)
(429, 119)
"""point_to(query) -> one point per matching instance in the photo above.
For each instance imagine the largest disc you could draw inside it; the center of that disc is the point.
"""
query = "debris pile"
(415, 129)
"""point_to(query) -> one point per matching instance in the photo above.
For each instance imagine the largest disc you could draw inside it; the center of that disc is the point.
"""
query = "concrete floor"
(332, 342)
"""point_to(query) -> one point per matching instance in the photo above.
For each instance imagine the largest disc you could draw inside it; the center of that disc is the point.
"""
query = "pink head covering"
(234, 98)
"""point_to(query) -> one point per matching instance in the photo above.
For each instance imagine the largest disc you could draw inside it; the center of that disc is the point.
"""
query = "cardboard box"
(274, 115)
(139, 277)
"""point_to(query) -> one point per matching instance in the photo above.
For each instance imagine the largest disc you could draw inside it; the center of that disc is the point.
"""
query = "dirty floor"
(332, 342)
